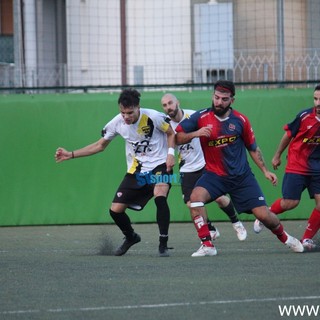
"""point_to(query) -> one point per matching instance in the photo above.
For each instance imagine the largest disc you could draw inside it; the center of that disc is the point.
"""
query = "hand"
(204, 132)
(276, 162)
(272, 177)
(62, 155)
(170, 162)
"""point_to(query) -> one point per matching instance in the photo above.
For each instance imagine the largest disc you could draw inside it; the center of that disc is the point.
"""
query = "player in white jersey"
(191, 166)
(146, 146)
(150, 143)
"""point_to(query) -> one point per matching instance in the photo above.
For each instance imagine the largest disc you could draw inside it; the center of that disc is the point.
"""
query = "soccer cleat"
(214, 234)
(163, 251)
(308, 245)
(257, 226)
(240, 230)
(127, 244)
(294, 244)
(205, 251)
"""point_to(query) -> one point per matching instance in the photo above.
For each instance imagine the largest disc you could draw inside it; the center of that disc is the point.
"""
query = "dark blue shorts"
(294, 184)
(244, 190)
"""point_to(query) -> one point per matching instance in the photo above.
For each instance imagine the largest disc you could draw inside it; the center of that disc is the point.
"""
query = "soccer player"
(150, 143)
(225, 136)
(191, 166)
(302, 135)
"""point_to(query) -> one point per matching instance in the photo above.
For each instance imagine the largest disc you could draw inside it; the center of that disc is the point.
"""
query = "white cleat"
(240, 230)
(294, 244)
(214, 234)
(257, 226)
(205, 251)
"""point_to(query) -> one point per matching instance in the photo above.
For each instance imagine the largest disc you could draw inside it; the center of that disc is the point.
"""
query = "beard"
(220, 112)
(172, 114)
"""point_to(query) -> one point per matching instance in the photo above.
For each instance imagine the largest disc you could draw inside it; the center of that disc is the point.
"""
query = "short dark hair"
(129, 98)
(317, 88)
(225, 85)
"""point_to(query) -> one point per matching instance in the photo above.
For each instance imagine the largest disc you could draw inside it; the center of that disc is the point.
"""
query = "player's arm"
(171, 146)
(186, 137)
(98, 146)
(255, 152)
(257, 157)
(189, 129)
(284, 142)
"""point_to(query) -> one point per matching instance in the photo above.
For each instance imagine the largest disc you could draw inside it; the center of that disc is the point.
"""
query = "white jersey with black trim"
(146, 140)
(191, 157)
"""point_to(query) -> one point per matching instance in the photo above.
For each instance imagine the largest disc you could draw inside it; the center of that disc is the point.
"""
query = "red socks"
(276, 207)
(203, 231)
(313, 225)
(279, 232)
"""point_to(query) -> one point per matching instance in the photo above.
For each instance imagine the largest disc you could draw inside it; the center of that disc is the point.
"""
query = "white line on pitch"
(161, 305)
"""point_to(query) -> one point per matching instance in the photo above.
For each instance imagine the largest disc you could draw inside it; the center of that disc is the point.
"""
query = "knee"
(118, 207)
(199, 194)
(223, 201)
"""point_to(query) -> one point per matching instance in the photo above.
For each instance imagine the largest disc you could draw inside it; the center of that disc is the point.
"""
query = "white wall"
(213, 34)
(158, 39)
(93, 42)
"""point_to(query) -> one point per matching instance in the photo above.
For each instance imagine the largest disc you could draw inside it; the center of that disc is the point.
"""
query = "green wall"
(36, 191)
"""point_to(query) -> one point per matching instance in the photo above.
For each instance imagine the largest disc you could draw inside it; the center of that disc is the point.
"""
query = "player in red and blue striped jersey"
(302, 171)
(191, 166)
(225, 136)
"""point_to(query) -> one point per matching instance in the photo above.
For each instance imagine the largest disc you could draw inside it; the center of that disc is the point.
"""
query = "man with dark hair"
(302, 137)
(225, 136)
(191, 167)
(150, 143)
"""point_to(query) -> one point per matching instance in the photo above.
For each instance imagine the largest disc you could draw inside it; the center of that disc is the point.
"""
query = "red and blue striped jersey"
(304, 148)
(225, 149)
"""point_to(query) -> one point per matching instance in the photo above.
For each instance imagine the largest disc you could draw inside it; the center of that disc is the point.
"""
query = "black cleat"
(164, 251)
(127, 244)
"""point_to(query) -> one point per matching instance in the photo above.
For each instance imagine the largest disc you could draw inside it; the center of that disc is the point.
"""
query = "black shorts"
(188, 181)
(136, 190)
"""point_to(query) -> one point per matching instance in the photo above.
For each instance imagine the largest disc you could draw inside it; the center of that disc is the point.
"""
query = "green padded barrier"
(37, 191)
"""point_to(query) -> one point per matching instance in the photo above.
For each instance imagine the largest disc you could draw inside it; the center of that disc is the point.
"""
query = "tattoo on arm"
(260, 157)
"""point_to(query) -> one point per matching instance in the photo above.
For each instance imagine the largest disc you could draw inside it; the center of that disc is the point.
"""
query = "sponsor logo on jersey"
(146, 129)
(313, 140)
(141, 147)
(185, 147)
(222, 141)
